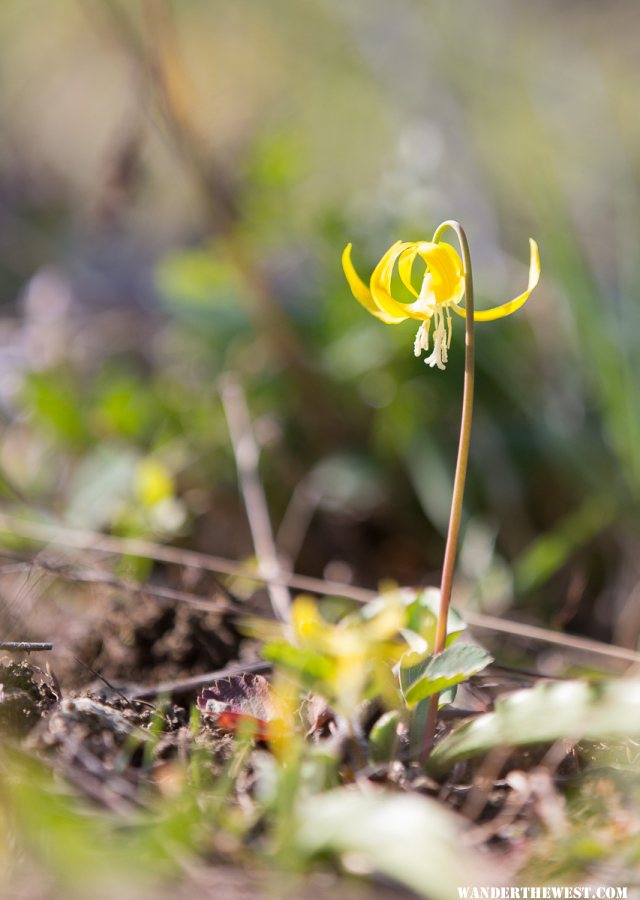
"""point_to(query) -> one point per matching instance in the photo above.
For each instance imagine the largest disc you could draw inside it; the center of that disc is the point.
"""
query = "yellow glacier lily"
(442, 290)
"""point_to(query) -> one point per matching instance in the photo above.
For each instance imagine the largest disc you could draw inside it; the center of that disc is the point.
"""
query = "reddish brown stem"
(459, 479)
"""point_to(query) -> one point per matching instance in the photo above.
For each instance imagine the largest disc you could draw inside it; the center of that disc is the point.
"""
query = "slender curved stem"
(460, 475)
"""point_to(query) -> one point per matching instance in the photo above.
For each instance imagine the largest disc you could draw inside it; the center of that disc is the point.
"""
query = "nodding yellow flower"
(441, 291)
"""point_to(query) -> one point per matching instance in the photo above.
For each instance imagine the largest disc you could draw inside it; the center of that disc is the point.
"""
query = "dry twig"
(247, 455)
(26, 646)
(187, 685)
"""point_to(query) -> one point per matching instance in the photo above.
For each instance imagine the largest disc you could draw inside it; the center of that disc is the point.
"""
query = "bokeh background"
(177, 182)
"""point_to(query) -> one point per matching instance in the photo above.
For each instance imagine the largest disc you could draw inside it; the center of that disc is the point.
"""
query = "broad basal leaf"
(453, 665)
(548, 712)
(383, 737)
(409, 838)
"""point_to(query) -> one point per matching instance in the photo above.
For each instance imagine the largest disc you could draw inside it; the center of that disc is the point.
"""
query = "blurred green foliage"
(177, 182)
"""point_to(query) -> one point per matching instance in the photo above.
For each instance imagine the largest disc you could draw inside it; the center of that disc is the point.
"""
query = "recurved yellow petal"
(456, 270)
(381, 286)
(498, 312)
(362, 293)
(445, 266)
(358, 288)
(405, 266)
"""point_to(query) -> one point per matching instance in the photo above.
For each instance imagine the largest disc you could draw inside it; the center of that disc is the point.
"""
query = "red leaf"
(237, 700)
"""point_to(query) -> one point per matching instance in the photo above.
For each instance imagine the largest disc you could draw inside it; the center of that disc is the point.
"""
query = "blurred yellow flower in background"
(442, 289)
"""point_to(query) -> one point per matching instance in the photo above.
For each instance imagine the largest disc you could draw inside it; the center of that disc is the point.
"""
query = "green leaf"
(423, 613)
(453, 665)
(383, 738)
(312, 666)
(430, 473)
(550, 551)
(411, 839)
(546, 713)
(418, 720)
(203, 289)
(54, 400)
(125, 406)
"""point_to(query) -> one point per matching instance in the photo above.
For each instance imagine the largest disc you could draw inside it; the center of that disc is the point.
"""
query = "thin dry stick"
(26, 646)
(225, 602)
(186, 685)
(247, 457)
(303, 582)
(451, 548)
(222, 603)
(93, 541)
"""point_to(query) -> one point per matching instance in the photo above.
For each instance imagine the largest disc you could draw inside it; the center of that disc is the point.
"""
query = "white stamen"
(422, 338)
(441, 341)
(442, 326)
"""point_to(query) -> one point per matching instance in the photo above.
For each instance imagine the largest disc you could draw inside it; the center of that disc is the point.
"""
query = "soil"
(148, 643)
(26, 695)
(86, 738)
